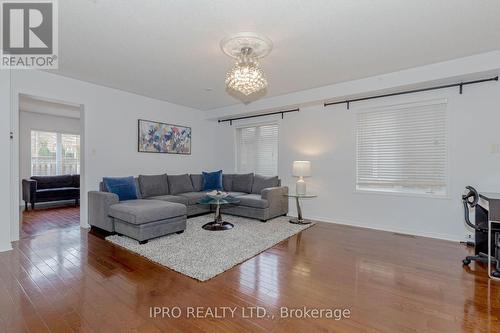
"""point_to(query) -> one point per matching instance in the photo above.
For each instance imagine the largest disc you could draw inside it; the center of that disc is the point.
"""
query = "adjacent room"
(49, 165)
(250, 166)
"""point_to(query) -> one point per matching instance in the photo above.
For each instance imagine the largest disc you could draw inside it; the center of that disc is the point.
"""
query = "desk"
(490, 203)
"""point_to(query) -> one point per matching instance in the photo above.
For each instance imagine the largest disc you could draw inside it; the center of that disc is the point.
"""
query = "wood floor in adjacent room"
(38, 221)
(67, 280)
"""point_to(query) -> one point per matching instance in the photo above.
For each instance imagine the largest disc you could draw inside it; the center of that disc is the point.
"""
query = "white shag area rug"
(203, 254)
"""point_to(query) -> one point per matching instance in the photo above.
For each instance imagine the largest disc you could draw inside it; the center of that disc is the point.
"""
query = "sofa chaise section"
(143, 219)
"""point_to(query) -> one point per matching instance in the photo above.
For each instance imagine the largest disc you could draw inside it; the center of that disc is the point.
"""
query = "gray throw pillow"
(242, 183)
(180, 184)
(197, 181)
(153, 185)
(261, 182)
(227, 182)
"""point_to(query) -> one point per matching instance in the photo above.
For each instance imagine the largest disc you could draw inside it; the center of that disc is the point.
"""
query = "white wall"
(29, 121)
(323, 135)
(326, 136)
(5, 190)
(109, 120)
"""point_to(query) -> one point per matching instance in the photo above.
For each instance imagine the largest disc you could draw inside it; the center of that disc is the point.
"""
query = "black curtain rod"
(460, 85)
(230, 120)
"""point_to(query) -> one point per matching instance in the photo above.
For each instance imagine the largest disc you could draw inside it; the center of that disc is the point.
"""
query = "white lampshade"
(301, 168)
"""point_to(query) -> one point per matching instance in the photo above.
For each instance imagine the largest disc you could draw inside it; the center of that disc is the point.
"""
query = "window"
(257, 149)
(403, 149)
(54, 153)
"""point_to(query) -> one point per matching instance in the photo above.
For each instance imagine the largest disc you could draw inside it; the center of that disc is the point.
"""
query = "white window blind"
(70, 154)
(403, 149)
(54, 153)
(257, 149)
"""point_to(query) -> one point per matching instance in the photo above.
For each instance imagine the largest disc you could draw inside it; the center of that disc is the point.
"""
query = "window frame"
(395, 106)
(36, 129)
(255, 124)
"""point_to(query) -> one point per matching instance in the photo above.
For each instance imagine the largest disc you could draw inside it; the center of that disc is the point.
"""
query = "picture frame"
(158, 137)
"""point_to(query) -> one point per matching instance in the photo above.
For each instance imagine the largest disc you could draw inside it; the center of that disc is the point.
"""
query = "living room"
(381, 233)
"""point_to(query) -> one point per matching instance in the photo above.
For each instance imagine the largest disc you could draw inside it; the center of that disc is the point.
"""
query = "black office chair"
(470, 199)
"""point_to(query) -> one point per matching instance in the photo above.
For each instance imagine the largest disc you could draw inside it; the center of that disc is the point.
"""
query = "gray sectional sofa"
(165, 201)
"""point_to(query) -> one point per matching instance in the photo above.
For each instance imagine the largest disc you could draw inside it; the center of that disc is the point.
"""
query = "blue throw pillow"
(212, 181)
(124, 187)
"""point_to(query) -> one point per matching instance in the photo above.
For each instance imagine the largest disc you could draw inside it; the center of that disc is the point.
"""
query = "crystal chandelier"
(246, 76)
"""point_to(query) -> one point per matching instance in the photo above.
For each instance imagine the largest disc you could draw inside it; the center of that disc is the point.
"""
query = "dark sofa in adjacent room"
(51, 188)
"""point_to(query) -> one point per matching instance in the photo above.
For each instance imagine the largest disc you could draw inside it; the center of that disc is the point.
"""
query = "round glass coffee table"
(218, 223)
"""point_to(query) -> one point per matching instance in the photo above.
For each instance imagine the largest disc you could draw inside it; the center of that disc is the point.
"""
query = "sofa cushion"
(124, 187)
(76, 180)
(144, 211)
(171, 198)
(43, 182)
(261, 182)
(153, 185)
(236, 194)
(242, 183)
(58, 193)
(253, 200)
(193, 197)
(197, 181)
(212, 181)
(180, 184)
(227, 182)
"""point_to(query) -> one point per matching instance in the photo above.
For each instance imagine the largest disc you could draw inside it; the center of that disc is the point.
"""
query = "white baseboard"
(435, 235)
(50, 204)
(5, 247)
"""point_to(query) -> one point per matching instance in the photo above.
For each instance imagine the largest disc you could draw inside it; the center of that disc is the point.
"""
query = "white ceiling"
(169, 49)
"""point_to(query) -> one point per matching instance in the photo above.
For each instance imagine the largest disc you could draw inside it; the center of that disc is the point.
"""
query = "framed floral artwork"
(156, 137)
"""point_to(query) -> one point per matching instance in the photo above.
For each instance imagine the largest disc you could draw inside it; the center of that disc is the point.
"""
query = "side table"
(299, 219)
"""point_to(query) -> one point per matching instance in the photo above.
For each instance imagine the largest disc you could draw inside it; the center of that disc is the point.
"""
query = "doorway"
(49, 147)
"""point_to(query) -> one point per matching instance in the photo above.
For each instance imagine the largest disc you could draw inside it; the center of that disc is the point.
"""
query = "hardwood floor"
(41, 220)
(68, 280)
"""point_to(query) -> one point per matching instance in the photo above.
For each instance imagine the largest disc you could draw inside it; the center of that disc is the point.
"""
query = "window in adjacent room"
(54, 153)
(403, 149)
(257, 149)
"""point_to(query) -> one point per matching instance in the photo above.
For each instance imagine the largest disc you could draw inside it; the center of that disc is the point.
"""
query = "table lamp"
(301, 169)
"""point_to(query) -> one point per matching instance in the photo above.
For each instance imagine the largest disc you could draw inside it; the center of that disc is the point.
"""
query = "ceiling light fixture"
(246, 76)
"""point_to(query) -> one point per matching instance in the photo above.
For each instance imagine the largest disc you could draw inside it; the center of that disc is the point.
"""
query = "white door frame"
(15, 180)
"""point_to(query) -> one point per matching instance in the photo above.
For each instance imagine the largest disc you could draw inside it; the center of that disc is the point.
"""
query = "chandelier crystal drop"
(246, 76)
